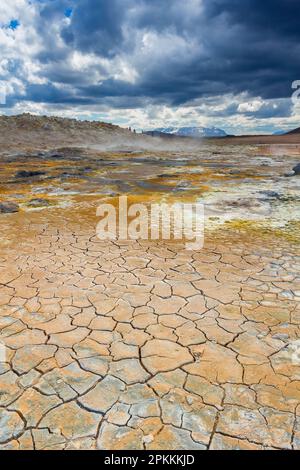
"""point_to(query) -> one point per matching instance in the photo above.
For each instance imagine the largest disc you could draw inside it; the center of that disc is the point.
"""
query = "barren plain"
(143, 344)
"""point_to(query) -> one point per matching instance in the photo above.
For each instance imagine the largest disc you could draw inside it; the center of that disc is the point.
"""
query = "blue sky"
(153, 63)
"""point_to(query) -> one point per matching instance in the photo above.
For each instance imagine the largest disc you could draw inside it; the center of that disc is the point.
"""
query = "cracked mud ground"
(144, 345)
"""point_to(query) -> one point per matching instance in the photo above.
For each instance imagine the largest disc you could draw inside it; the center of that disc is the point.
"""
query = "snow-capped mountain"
(196, 132)
(279, 132)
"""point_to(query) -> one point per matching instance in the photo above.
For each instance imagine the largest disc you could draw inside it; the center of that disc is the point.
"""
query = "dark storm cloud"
(96, 26)
(271, 16)
(264, 46)
(199, 49)
(248, 46)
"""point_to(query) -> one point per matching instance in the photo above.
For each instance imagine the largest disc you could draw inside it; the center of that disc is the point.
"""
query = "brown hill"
(43, 131)
(28, 121)
(295, 131)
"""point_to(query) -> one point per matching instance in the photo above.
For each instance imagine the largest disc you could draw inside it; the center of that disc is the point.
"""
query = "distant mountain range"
(279, 132)
(196, 132)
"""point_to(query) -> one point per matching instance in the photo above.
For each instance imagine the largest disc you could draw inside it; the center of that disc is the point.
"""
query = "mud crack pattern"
(148, 346)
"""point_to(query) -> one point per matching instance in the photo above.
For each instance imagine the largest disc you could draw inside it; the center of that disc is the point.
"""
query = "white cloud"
(250, 106)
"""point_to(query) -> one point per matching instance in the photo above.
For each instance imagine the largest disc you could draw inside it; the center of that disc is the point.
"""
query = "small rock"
(39, 202)
(189, 400)
(8, 208)
(270, 194)
(148, 439)
(29, 174)
(296, 169)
